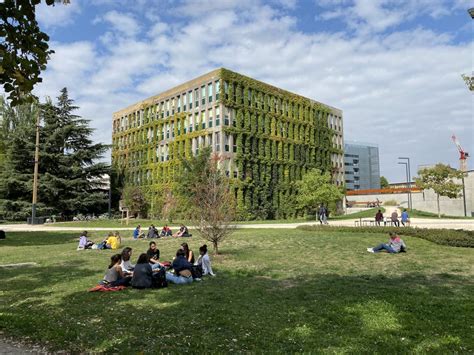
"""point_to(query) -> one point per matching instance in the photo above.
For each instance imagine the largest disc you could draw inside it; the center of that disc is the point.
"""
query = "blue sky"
(392, 66)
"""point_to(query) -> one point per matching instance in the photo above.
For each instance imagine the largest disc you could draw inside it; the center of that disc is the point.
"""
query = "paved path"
(431, 223)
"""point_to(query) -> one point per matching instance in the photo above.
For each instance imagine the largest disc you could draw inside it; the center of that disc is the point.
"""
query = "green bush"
(449, 237)
(390, 203)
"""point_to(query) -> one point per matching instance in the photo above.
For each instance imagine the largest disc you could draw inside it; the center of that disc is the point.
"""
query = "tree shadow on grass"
(31, 239)
(237, 312)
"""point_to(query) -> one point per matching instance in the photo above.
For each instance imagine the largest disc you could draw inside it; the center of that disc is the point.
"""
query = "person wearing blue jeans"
(182, 269)
(394, 245)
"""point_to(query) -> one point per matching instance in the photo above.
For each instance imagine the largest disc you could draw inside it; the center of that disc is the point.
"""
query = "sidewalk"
(430, 223)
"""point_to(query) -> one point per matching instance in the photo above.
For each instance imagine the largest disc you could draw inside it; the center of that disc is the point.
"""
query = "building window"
(226, 142)
(234, 143)
(218, 116)
(190, 123)
(203, 119)
(167, 108)
(196, 121)
(217, 141)
(226, 116)
(184, 101)
(209, 92)
(203, 95)
(209, 117)
(218, 88)
(196, 97)
(179, 103)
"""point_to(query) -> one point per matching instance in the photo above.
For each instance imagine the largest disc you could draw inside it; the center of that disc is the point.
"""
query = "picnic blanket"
(105, 288)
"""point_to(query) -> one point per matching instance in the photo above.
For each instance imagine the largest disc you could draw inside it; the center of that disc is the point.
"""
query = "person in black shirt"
(153, 254)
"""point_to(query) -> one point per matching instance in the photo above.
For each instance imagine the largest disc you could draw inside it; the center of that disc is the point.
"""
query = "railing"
(398, 190)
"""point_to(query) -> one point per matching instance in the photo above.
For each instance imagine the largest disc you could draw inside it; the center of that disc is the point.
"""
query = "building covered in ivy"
(267, 138)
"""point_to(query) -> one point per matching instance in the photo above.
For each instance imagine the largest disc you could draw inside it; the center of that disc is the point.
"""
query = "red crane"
(463, 155)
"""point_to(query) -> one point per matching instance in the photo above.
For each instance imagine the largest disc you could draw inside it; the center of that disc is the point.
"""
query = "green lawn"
(276, 291)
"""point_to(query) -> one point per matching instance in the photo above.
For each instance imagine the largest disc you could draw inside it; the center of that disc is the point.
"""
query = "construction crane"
(463, 155)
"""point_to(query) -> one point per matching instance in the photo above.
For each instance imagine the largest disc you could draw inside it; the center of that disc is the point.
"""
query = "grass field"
(276, 291)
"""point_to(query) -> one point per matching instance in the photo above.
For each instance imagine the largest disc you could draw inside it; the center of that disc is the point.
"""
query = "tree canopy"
(316, 188)
(71, 180)
(384, 182)
(440, 179)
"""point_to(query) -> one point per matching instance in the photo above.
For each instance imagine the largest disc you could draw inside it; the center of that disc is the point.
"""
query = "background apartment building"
(267, 137)
(362, 168)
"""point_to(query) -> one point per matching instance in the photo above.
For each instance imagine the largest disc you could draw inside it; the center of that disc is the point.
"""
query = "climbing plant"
(277, 137)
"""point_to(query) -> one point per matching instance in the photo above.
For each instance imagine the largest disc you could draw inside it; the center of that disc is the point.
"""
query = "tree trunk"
(216, 249)
(437, 200)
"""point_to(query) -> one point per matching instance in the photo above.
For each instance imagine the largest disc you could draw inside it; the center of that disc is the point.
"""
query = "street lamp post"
(409, 179)
(35, 172)
(408, 190)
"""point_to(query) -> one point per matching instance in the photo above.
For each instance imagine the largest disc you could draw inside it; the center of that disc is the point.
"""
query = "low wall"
(426, 200)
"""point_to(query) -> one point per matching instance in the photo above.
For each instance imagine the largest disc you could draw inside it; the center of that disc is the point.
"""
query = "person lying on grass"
(395, 245)
(114, 275)
(182, 269)
(84, 242)
(204, 261)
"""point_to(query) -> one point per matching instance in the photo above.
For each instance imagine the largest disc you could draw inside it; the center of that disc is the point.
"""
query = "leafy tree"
(70, 181)
(134, 198)
(16, 174)
(207, 190)
(440, 179)
(316, 188)
(24, 49)
(384, 183)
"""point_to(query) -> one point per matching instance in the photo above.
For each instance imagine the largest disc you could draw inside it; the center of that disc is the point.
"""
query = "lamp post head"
(471, 12)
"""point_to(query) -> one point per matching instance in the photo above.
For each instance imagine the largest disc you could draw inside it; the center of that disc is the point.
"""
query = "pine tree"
(71, 179)
(16, 175)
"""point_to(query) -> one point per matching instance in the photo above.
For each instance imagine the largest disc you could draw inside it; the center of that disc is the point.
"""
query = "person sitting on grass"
(405, 218)
(115, 276)
(166, 231)
(84, 242)
(152, 232)
(113, 241)
(378, 217)
(126, 265)
(182, 269)
(137, 233)
(142, 274)
(188, 253)
(183, 232)
(153, 254)
(395, 245)
(204, 261)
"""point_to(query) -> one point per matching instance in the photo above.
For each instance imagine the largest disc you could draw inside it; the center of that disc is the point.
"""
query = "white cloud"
(402, 90)
(125, 23)
(59, 15)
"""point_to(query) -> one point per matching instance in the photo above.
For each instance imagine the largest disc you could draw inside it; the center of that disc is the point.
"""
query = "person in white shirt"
(204, 261)
(126, 265)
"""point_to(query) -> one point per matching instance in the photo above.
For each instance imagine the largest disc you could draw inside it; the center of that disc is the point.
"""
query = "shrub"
(449, 237)
(390, 203)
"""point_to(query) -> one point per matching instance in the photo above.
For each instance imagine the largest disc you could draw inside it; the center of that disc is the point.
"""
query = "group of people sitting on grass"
(150, 272)
(165, 232)
(112, 241)
(405, 219)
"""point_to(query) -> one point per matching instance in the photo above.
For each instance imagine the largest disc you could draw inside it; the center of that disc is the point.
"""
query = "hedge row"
(450, 237)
